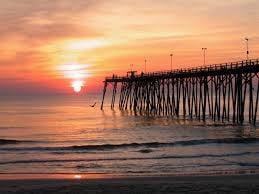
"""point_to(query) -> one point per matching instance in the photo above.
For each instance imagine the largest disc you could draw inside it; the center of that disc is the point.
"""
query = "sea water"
(64, 134)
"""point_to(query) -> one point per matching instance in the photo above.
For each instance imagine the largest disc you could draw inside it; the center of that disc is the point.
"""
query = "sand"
(130, 185)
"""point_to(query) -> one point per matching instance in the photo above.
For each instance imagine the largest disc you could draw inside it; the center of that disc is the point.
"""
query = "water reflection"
(77, 176)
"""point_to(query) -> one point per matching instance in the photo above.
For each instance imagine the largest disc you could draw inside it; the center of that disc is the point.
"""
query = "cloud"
(45, 19)
(38, 35)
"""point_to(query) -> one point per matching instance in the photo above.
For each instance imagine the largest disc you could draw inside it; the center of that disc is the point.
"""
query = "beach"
(162, 184)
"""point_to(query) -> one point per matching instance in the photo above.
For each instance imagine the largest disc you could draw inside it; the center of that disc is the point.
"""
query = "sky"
(62, 46)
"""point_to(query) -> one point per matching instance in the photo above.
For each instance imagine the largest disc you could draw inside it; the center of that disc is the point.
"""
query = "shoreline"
(99, 175)
(239, 183)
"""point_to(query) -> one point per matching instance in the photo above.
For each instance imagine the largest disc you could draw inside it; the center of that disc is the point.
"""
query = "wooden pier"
(222, 92)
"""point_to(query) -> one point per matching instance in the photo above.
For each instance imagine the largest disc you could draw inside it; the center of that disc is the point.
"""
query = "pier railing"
(230, 67)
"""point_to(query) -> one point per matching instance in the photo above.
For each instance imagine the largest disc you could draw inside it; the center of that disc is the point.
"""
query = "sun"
(77, 73)
(77, 85)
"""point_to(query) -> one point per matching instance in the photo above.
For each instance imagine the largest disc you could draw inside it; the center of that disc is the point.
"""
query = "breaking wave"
(107, 147)
(13, 141)
(138, 158)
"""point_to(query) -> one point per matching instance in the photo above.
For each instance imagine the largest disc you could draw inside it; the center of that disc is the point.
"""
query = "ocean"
(63, 134)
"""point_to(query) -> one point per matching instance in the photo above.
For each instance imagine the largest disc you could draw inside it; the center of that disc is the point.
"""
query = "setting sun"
(77, 85)
(76, 74)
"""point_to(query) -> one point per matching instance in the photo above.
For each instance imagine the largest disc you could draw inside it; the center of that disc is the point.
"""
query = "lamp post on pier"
(204, 55)
(247, 50)
(171, 56)
(145, 66)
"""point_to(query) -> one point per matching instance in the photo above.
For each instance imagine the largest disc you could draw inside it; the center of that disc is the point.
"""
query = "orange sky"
(47, 45)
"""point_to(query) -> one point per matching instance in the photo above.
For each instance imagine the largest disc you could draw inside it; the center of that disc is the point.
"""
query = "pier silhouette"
(222, 92)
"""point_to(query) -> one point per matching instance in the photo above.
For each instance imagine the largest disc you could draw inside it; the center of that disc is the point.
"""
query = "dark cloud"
(45, 19)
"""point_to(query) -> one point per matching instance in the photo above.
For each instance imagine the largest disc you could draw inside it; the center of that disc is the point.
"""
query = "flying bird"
(93, 105)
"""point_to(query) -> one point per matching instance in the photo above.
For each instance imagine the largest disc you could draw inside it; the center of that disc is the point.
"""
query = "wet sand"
(130, 185)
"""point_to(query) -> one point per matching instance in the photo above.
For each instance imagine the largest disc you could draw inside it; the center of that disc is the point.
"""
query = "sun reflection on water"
(77, 176)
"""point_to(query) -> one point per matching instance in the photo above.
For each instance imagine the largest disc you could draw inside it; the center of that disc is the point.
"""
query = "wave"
(104, 147)
(145, 151)
(140, 158)
(164, 144)
(14, 141)
(10, 127)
